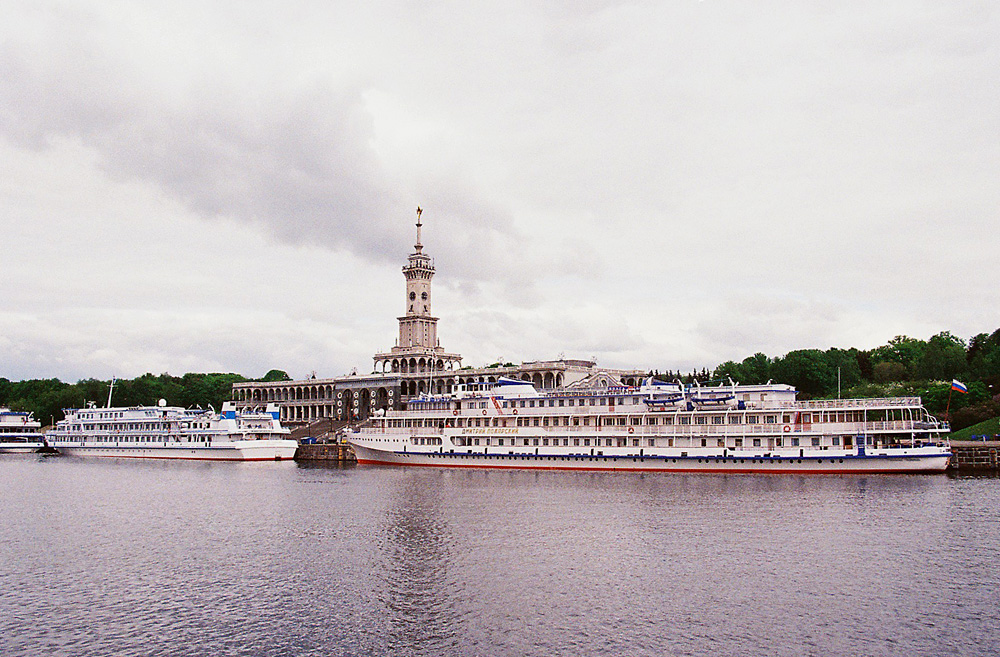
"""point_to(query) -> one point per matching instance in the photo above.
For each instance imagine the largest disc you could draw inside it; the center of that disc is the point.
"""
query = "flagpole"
(947, 414)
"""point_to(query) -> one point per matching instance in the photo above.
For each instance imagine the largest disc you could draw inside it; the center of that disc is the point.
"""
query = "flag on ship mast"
(958, 386)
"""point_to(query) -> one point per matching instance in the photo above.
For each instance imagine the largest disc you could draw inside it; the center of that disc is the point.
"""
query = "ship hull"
(240, 451)
(26, 447)
(917, 461)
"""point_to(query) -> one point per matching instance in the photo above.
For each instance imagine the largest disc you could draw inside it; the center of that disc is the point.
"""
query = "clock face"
(413, 295)
(424, 296)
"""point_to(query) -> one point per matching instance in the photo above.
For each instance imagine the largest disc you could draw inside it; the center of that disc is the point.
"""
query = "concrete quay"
(325, 452)
(974, 455)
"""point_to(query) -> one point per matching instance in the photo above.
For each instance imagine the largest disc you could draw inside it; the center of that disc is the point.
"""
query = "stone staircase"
(324, 430)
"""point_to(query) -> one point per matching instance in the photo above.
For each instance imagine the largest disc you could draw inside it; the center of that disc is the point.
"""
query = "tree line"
(904, 366)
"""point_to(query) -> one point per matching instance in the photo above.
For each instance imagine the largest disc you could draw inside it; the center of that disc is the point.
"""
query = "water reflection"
(422, 597)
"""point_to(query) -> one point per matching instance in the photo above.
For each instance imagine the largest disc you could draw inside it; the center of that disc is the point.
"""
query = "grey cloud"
(295, 158)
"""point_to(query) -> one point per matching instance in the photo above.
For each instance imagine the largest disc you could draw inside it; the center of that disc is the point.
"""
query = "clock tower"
(417, 347)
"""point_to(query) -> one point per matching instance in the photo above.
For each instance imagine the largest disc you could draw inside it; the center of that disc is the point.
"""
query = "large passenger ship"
(172, 432)
(19, 432)
(656, 427)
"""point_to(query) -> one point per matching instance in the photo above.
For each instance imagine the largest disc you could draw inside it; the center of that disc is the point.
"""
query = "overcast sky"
(231, 186)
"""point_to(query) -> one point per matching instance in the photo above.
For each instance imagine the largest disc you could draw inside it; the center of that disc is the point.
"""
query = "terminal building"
(416, 365)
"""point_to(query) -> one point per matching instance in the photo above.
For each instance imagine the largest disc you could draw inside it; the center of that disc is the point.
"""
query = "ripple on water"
(271, 559)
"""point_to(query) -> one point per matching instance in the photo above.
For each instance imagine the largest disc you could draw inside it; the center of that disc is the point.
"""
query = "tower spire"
(418, 246)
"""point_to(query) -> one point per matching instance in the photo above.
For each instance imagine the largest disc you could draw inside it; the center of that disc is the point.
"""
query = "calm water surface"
(131, 558)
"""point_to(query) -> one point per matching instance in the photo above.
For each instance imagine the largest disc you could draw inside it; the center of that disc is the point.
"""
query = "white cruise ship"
(19, 432)
(656, 427)
(171, 432)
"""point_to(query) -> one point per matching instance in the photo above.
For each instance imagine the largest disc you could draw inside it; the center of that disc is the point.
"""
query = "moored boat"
(172, 432)
(19, 432)
(731, 428)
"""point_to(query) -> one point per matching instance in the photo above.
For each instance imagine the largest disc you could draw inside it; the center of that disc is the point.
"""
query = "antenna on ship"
(110, 390)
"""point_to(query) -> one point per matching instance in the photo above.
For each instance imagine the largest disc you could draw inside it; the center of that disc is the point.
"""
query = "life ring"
(484, 411)
(787, 428)
(455, 412)
(515, 411)
(631, 429)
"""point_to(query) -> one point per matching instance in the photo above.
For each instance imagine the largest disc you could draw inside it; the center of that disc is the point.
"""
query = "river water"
(108, 557)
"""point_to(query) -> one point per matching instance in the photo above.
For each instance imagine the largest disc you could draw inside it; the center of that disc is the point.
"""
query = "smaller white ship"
(19, 432)
(172, 432)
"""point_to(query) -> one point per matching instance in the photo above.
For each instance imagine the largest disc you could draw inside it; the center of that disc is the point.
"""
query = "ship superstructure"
(19, 432)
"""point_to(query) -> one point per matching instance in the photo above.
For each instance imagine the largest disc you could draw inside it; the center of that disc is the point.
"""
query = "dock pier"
(974, 456)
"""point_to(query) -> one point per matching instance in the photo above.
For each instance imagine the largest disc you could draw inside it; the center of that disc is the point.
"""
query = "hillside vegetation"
(904, 366)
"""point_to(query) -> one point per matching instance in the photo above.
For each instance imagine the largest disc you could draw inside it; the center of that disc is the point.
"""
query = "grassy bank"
(988, 428)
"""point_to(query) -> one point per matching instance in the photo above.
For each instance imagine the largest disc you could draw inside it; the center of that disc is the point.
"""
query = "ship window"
(651, 442)
(756, 442)
(795, 442)
(531, 403)
(592, 402)
(716, 419)
(586, 441)
(637, 420)
(571, 402)
(535, 422)
(777, 441)
(534, 441)
(770, 419)
(576, 442)
(685, 420)
(562, 402)
(552, 402)
(545, 441)
(836, 440)
(734, 419)
(815, 442)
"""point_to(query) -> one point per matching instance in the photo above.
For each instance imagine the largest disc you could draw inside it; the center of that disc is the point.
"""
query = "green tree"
(942, 359)
(807, 370)
(844, 362)
(276, 375)
(901, 349)
(729, 370)
(983, 357)
(757, 369)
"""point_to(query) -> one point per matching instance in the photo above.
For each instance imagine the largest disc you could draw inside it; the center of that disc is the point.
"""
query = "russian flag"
(958, 386)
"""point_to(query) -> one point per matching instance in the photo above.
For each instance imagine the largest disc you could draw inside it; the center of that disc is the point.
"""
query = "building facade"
(416, 365)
